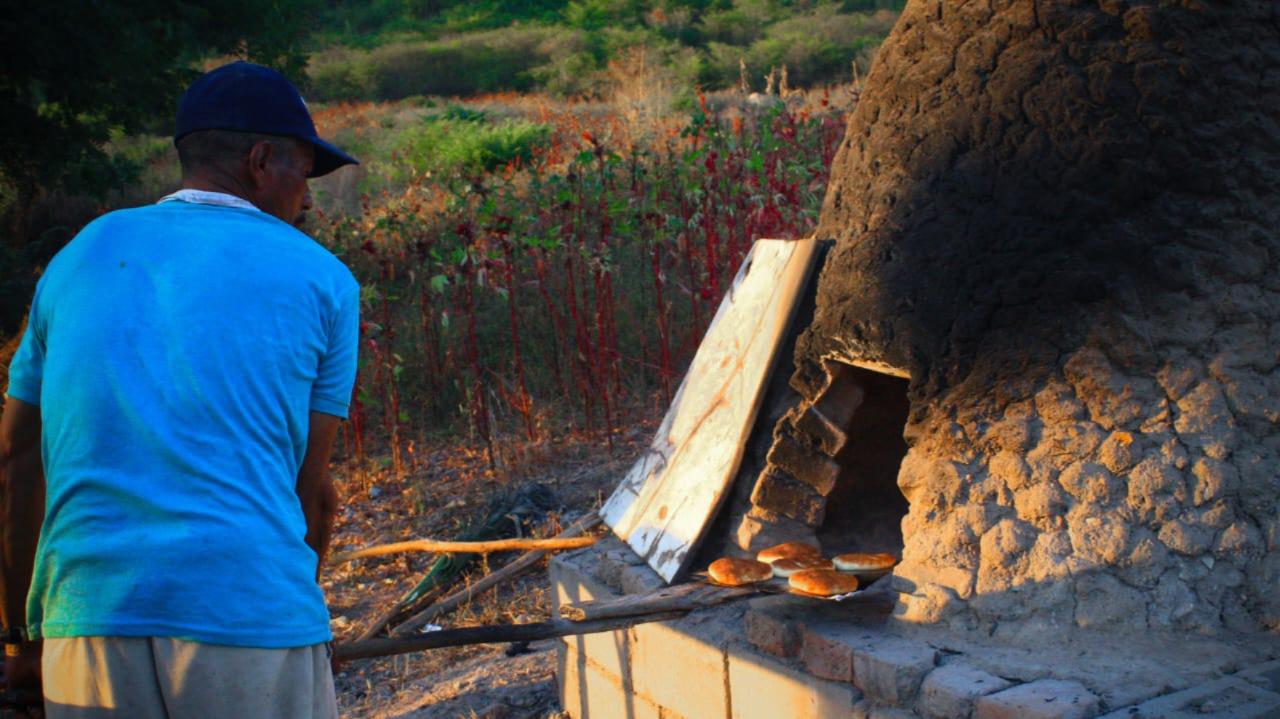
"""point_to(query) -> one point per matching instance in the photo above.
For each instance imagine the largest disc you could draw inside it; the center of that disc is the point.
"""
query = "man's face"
(283, 188)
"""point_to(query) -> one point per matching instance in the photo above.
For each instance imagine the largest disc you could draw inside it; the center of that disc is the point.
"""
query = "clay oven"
(1042, 360)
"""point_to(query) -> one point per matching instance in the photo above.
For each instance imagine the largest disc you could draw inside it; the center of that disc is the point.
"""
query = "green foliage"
(566, 47)
(459, 143)
(503, 59)
(77, 70)
(815, 46)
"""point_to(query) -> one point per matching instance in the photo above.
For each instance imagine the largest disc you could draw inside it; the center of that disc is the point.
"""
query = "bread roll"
(788, 567)
(737, 572)
(855, 562)
(788, 550)
(823, 582)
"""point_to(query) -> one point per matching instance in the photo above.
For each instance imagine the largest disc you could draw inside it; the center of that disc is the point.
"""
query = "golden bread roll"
(855, 562)
(737, 572)
(823, 582)
(788, 550)
(787, 567)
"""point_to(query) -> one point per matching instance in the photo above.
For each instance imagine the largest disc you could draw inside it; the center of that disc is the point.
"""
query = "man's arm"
(21, 506)
(315, 489)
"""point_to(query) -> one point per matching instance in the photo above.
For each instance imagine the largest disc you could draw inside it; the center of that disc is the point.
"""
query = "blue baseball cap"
(244, 97)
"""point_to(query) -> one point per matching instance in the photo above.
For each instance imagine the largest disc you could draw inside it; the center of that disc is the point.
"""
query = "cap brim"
(328, 158)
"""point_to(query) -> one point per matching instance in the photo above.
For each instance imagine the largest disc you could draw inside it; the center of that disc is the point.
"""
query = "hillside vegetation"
(391, 50)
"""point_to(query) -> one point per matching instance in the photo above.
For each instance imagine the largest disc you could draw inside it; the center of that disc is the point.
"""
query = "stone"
(1117, 452)
(1042, 506)
(1103, 601)
(1010, 468)
(1185, 538)
(1112, 399)
(1213, 479)
(1227, 698)
(1041, 699)
(891, 669)
(1155, 490)
(773, 625)
(764, 688)
(951, 691)
(1091, 483)
(805, 463)
(778, 492)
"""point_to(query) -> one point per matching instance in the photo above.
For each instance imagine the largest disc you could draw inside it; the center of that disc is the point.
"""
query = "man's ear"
(260, 157)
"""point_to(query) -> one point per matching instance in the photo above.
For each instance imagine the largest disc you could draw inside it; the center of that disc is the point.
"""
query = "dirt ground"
(448, 488)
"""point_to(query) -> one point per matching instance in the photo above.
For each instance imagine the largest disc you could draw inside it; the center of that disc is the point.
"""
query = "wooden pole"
(524, 563)
(389, 646)
(485, 547)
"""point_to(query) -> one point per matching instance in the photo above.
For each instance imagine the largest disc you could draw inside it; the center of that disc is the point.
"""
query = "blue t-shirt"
(175, 352)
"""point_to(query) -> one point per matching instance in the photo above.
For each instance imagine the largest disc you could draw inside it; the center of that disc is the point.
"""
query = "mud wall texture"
(1061, 219)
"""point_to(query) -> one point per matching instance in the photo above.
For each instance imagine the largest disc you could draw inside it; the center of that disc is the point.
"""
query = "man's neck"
(227, 185)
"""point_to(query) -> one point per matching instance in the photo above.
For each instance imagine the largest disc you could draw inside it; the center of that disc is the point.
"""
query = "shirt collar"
(205, 197)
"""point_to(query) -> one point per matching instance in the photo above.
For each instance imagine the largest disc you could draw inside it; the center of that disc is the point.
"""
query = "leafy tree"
(75, 71)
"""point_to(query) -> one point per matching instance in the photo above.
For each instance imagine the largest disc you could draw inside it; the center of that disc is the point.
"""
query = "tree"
(75, 71)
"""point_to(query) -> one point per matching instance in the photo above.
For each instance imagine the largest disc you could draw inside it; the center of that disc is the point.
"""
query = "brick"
(589, 692)
(613, 562)
(951, 691)
(573, 582)
(640, 579)
(804, 463)
(827, 650)
(841, 396)
(761, 687)
(679, 671)
(773, 625)
(891, 669)
(1226, 698)
(757, 531)
(1041, 699)
(777, 491)
(810, 421)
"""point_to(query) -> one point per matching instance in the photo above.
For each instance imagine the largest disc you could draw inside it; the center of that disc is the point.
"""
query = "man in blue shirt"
(167, 430)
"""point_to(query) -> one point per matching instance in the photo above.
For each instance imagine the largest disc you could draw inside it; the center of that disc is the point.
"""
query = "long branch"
(388, 646)
(444, 547)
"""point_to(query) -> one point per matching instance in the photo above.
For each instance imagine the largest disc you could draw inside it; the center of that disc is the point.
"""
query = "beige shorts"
(162, 678)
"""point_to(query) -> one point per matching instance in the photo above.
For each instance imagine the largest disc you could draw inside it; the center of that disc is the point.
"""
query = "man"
(167, 430)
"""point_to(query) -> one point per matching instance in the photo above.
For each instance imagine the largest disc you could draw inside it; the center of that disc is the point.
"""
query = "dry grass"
(450, 484)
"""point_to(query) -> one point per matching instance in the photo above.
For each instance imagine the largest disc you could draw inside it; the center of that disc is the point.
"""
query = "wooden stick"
(522, 564)
(388, 646)
(441, 547)
(681, 597)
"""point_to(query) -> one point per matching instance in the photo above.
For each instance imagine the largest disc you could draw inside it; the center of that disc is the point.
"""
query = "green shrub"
(816, 47)
(485, 61)
(459, 143)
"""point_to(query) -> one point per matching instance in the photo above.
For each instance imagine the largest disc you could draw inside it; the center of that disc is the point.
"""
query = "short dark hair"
(215, 148)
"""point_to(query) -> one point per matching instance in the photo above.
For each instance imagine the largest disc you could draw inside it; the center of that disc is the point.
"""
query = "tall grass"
(565, 289)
